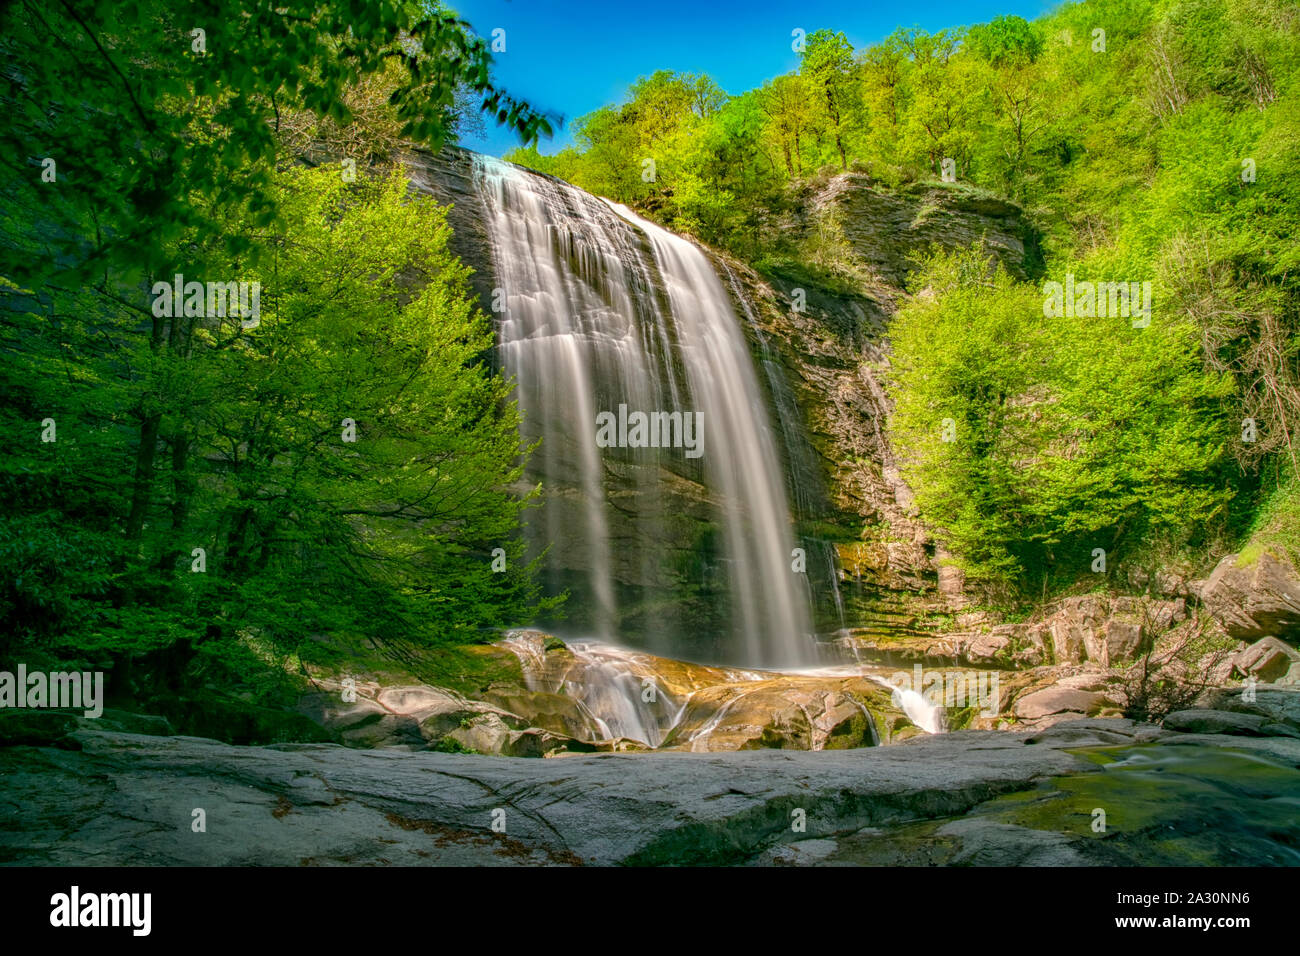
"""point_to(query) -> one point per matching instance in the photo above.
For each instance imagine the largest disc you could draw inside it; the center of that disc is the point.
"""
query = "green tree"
(368, 331)
(1031, 440)
(788, 103)
(155, 112)
(827, 62)
(1006, 40)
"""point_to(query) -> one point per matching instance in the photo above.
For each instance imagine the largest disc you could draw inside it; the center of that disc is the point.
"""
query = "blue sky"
(575, 57)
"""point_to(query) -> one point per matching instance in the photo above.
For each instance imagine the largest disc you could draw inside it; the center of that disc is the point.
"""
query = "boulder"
(775, 714)
(1267, 659)
(549, 710)
(1254, 599)
(383, 730)
(1281, 705)
(1170, 583)
(1227, 722)
(1108, 631)
(484, 734)
(1122, 636)
(417, 700)
(1165, 614)
(1087, 677)
(408, 715)
(987, 648)
(363, 722)
(1056, 700)
(1122, 640)
(1073, 624)
(328, 708)
(488, 733)
(1005, 646)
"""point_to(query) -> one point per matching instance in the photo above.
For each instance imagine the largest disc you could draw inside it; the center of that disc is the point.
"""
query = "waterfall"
(932, 718)
(609, 686)
(602, 311)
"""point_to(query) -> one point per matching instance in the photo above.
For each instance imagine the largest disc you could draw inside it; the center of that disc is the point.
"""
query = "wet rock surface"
(589, 697)
(128, 799)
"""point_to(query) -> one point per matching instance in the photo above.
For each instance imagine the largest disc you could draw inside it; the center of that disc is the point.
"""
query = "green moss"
(790, 269)
(234, 721)
(468, 669)
(854, 732)
(450, 745)
(1184, 805)
(960, 718)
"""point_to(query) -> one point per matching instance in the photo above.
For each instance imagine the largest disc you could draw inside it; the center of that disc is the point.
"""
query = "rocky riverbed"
(552, 698)
(1222, 788)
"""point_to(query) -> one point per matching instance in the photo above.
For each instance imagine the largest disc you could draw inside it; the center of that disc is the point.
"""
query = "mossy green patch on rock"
(468, 669)
(1195, 805)
(35, 728)
(237, 722)
(857, 731)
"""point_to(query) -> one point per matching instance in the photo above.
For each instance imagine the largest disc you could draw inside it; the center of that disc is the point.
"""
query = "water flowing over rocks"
(600, 310)
(586, 697)
(597, 297)
(820, 366)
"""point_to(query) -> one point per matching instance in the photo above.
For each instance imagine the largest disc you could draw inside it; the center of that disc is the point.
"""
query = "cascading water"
(609, 685)
(627, 694)
(930, 717)
(603, 309)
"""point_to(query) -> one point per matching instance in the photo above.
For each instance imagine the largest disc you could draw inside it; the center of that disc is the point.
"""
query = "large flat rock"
(130, 799)
(126, 799)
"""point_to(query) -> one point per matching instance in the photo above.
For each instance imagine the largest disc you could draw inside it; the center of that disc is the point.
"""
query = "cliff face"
(885, 227)
(664, 573)
(822, 367)
(447, 176)
(835, 356)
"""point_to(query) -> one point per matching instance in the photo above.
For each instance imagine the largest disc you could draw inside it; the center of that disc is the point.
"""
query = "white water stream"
(600, 308)
(613, 686)
(604, 309)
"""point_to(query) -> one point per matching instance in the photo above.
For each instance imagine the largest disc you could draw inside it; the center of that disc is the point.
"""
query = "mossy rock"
(850, 734)
(236, 722)
(450, 745)
(961, 718)
(773, 738)
(129, 722)
(35, 728)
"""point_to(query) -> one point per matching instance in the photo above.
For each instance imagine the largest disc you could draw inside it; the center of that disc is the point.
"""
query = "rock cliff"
(823, 357)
